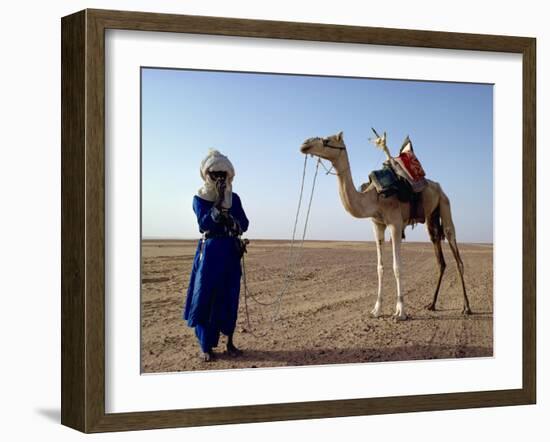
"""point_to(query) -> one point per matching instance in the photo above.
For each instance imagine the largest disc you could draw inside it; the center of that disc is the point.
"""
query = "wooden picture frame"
(83, 220)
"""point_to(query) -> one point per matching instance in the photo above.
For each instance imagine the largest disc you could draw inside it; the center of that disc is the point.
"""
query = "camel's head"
(328, 148)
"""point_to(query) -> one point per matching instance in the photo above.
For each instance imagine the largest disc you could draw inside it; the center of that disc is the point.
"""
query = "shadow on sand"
(323, 356)
(424, 315)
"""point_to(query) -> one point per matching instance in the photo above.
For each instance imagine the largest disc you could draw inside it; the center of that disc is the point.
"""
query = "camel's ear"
(384, 135)
(340, 136)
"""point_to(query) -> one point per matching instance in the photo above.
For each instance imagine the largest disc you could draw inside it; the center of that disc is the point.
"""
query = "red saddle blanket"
(408, 161)
(407, 166)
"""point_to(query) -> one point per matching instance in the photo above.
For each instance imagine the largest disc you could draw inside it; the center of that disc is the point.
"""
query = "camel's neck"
(357, 204)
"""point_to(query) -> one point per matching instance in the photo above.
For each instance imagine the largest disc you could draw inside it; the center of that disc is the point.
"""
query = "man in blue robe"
(212, 299)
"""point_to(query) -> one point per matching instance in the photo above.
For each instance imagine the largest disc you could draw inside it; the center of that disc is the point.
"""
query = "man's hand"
(233, 225)
(229, 221)
(220, 187)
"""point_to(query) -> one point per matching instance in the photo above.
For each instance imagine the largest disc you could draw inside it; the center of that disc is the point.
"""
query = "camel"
(391, 213)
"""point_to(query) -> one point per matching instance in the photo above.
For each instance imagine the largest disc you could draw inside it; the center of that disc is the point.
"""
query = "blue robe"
(212, 299)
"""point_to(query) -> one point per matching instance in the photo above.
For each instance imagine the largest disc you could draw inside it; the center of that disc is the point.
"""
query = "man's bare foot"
(207, 356)
(232, 350)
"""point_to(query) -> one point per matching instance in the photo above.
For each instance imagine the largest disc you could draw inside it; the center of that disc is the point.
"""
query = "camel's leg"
(441, 263)
(436, 235)
(396, 231)
(460, 267)
(449, 229)
(379, 230)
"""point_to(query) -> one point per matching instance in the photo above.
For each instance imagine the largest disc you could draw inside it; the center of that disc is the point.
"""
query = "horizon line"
(162, 238)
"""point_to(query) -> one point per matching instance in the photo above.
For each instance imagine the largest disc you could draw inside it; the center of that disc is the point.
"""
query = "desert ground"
(324, 315)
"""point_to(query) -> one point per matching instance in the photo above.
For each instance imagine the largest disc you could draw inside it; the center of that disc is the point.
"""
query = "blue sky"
(260, 121)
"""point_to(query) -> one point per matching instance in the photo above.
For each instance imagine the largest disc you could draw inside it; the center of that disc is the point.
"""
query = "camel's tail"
(435, 227)
(440, 224)
(446, 218)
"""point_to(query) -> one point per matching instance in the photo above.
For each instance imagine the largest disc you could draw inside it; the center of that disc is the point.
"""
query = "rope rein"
(291, 263)
(291, 266)
(328, 171)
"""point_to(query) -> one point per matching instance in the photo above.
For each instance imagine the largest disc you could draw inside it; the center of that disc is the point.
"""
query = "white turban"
(216, 162)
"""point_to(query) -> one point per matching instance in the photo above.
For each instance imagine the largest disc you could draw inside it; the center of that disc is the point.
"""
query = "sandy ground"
(324, 316)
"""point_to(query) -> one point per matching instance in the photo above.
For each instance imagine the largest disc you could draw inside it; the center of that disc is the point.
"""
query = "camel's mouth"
(305, 147)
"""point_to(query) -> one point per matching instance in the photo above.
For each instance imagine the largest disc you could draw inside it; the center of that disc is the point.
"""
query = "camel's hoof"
(401, 317)
(466, 311)
(376, 311)
(430, 307)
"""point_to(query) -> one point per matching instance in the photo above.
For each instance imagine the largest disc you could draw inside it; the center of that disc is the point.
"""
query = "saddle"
(404, 177)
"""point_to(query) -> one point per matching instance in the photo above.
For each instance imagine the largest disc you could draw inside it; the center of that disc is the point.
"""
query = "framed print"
(269, 220)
